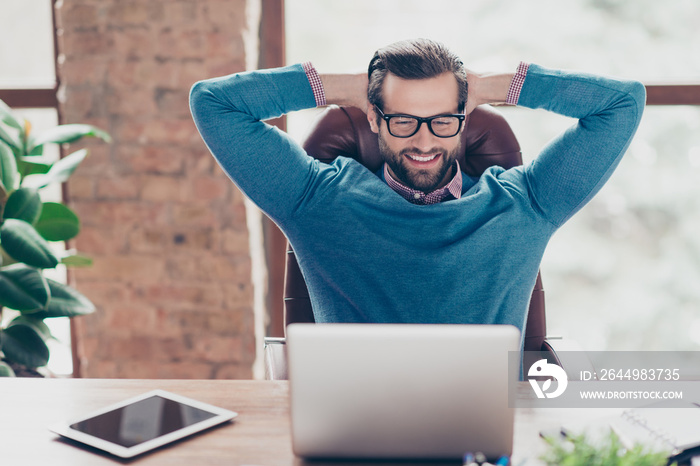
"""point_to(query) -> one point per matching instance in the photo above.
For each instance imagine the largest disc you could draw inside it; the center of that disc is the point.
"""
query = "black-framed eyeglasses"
(405, 126)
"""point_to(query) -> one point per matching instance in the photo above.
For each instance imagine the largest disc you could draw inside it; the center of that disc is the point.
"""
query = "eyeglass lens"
(404, 126)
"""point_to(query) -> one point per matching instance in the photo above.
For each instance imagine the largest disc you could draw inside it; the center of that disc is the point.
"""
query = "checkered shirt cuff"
(316, 84)
(516, 85)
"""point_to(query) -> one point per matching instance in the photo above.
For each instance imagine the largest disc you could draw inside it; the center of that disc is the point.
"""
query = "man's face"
(423, 161)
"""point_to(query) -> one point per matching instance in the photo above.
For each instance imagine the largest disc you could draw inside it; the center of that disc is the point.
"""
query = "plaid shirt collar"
(453, 189)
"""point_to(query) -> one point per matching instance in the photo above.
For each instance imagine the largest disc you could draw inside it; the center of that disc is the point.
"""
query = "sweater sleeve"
(573, 167)
(264, 162)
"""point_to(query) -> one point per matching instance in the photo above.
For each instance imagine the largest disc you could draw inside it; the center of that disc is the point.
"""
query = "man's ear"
(372, 118)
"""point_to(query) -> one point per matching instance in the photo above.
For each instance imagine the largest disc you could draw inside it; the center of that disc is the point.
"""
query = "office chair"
(487, 140)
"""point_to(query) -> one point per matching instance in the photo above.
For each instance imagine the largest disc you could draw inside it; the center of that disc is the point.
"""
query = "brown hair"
(414, 59)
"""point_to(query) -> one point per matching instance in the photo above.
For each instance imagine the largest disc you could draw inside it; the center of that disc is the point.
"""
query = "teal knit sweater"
(367, 254)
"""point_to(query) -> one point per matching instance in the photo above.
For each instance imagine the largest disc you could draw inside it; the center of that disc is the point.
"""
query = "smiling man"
(431, 82)
(418, 241)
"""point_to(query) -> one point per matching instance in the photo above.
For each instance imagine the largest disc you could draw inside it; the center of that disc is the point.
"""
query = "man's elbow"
(198, 91)
(638, 93)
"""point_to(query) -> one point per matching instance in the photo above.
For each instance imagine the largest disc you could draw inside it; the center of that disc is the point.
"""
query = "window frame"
(47, 98)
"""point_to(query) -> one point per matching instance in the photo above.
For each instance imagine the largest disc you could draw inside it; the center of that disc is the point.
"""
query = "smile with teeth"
(419, 158)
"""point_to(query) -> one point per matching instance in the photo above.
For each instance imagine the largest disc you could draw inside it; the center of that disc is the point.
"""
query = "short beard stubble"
(425, 181)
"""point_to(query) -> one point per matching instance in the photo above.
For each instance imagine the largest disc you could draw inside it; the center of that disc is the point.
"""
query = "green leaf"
(67, 134)
(8, 168)
(38, 324)
(6, 370)
(59, 171)
(65, 302)
(27, 167)
(57, 222)
(22, 242)
(5, 260)
(23, 288)
(73, 259)
(8, 117)
(24, 204)
(22, 344)
(38, 150)
(579, 450)
(11, 138)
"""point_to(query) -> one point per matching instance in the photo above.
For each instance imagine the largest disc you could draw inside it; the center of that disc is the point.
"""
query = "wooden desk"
(259, 436)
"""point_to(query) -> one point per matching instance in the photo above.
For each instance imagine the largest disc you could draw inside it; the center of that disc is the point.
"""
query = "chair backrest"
(486, 140)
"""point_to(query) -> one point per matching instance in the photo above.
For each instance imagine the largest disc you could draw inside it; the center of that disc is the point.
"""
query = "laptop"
(400, 391)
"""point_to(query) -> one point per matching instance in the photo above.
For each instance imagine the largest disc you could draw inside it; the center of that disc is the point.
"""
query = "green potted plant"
(580, 450)
(28, 225)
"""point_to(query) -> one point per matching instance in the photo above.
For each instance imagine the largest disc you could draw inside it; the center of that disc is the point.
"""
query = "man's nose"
(424, 140)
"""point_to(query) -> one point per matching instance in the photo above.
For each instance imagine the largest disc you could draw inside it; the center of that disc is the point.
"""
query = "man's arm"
(487, 89)
(574, 166)
(264, 162)
(346, 89)
(351, 89)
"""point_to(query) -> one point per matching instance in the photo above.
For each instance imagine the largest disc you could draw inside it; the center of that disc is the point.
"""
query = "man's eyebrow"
(454, 112)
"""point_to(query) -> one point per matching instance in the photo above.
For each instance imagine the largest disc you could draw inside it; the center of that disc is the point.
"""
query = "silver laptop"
(400, 391)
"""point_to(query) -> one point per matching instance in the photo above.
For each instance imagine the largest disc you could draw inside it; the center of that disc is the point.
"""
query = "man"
(419, 241)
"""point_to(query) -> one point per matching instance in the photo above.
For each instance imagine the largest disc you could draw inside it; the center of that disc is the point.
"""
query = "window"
(26, 49)
(27, 83)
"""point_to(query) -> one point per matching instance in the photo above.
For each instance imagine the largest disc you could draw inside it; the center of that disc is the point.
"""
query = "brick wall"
(165, 227)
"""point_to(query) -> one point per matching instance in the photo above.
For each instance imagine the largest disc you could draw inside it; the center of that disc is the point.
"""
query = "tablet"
(142, 423)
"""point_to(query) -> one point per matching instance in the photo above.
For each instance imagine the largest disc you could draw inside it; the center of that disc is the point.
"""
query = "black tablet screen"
(142, 421)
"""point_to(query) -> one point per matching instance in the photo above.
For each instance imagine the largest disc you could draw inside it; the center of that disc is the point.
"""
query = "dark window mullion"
(673, 94)
(29, 98)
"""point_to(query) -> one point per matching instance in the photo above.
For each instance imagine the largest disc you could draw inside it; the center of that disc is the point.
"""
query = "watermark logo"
(542, 368)
(603, 379)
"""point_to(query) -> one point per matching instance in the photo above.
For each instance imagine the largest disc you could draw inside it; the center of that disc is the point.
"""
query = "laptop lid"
(400, 390)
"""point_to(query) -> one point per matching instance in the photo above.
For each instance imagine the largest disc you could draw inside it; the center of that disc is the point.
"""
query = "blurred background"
(186, 278)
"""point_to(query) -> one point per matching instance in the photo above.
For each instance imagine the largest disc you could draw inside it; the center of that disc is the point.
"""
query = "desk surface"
(259, 436)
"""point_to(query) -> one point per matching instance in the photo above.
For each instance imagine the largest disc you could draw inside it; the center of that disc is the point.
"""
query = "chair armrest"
(275, 358)
(569, 355)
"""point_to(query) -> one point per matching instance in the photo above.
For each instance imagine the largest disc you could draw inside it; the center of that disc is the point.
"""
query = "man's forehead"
(420, 97)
